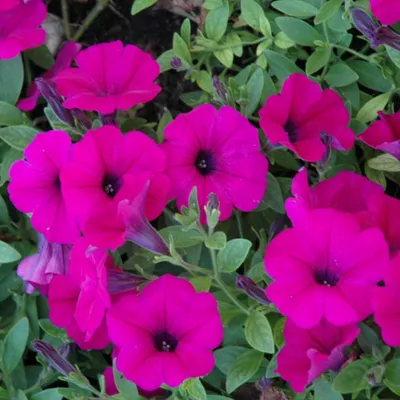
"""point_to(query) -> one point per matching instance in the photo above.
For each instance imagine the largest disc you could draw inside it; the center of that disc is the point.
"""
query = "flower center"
(291, 129)
(205, 162)
(111, 185)
(326, 277)
(164, 341)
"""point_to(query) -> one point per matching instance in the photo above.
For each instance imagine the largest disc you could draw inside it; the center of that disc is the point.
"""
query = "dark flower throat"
(111, 185)
(326, 277)
(164, 341)
(205, 162)
(292, 131)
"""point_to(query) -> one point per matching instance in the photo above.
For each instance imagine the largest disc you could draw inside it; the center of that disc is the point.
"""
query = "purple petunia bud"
(109, 119)
(53, 357)
(176, 63)
(212, 211)
(252, 290)
(219, 88)
(48, 90)
(121, 281)
(376, 33)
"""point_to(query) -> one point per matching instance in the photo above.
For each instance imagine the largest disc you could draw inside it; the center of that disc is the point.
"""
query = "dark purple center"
(111, 185)
(292, 131)
(205, 162)
(57, 183)
(164, 341)
(326, 277)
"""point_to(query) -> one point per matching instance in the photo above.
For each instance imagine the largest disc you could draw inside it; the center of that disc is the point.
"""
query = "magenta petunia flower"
(107, 167)
(347, 191)
(109, 77)
(79, 300)
(166, 334)
(384, 135)
(20, 28)
(387, 11)
(308, 353)
(385, 214)
(303, 115)
(39, 269)
(6, 5)
(35, 186)
(218, 152)
(63, 61)
(386, 304)
(325, 266)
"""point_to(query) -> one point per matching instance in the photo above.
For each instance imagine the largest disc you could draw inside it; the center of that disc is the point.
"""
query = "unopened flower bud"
(212, 211)
(176, 63)
(119, 281)
(252, 290)
(220, 88)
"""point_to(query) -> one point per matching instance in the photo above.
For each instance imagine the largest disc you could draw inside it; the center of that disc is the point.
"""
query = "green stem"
(239, 223)
(8, 383)
(65, 16)
(94, 13)
(229, 46)
(355, 53)
(223, 287)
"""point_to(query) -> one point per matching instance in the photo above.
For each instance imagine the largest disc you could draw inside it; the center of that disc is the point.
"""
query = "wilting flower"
(63, 61)
(166, 334)
(386, 302)
(38, 270)
(308, 353)
(376, 33)
(108, 167)
(325, 266)
(79, 300)
(109, 77)
(218, 152)
(347, 191)
(130, 224)
(35, 186)
(385, 214)
(303, 115)
(387, 11)
(8, 4)
(384, 135)
(19, 28)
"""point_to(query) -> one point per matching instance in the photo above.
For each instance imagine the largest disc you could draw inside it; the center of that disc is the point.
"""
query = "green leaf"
(20, 395)
(212, 4)
(4, 217)
(14, 344)
(41, 56)
(251, 12)
(375, 176)
(295, 8)
(18, 136)
(273, 197)
(281, 66)
(385, 162)
(201, 283)
(8, 254)
(11, 79)
(186, 30)
(258, 333)
(298, 30)
(242, 369)
(233, 255)
(9, 158)
(351, 378)
(216, 241)
(318, 60)
(49, 394)
(217, 397)
(265, 26)
(371, 76)
(165, 60)
(140, 5)
(225, 357)
(369, 110)
(327, 11)
(217, 22)
(324, 391)
(181, 49)
(126, 388)
(181, 237)
(10, 115)
(392, 372)
(193, 389)
(254, 89)
(233, 39)
(51, 329)
(394, 55)
(164, 121)
(225, 57)
(205, 82)
(340, 75)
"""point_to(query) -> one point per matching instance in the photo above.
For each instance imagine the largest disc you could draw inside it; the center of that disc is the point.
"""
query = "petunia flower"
(79, 300)
(108, 167)
(308, 353)
(20, 28)
(386, 303)
(347, 191)
(376, 33)
(303, 116)
(6, 5)
(384, 134)
(39, 269)
(166, 334)
(325, 267)
(387, 11)
(35, 186)
(109, 77)
(63, 61)
(218, 152)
